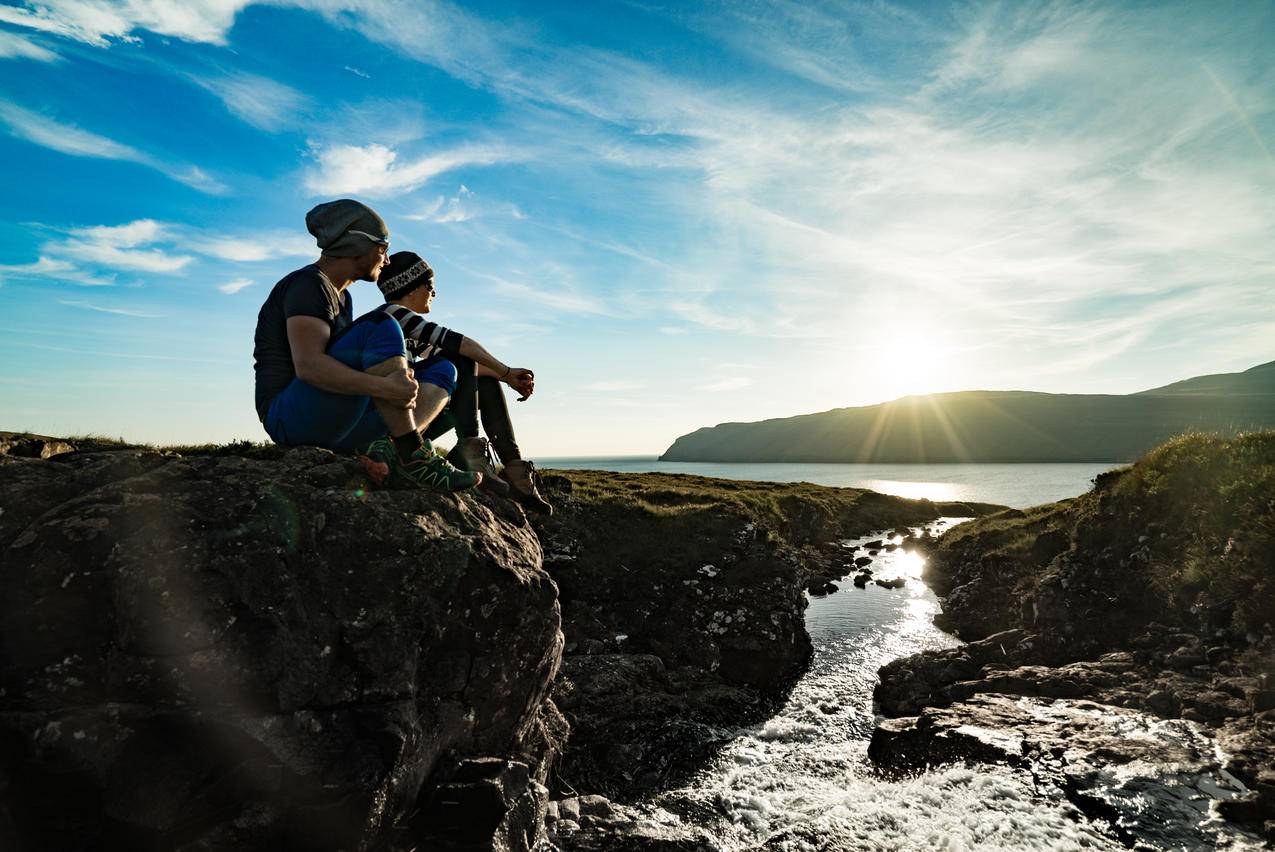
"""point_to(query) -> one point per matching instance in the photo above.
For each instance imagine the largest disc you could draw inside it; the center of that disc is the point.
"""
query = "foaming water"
(801, 781)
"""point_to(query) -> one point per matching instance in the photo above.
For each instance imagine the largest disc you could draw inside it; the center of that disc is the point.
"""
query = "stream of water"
(802, 782)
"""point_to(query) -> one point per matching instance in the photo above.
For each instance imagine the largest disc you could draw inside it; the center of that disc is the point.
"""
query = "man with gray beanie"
(323, 382)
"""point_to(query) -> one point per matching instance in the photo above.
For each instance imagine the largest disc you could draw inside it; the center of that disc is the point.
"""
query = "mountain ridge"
(996, 425)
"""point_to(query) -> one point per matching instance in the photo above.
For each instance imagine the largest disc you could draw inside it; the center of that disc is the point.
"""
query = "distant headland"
(997, 426)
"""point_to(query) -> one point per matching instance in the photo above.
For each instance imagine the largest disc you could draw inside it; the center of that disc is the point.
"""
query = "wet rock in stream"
(1155, 781)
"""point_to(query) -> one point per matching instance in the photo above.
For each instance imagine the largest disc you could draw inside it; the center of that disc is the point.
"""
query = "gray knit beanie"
(346, 228)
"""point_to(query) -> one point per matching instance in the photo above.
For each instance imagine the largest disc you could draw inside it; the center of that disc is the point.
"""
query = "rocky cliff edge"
(243, 647)
(256, 652)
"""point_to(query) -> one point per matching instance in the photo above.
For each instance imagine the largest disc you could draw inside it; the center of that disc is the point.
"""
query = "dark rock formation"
(679, 625)
(223, 652)
(683, 609)
(595, 824)
(1151, 593)
(242, 647)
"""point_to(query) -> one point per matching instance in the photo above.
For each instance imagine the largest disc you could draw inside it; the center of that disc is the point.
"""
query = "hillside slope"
(997, 426)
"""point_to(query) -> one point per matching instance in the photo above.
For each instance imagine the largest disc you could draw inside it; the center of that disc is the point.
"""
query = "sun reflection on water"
(908, 563)
(937, 491)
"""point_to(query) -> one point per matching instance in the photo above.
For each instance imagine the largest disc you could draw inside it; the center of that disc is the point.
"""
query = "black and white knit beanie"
(404, 273)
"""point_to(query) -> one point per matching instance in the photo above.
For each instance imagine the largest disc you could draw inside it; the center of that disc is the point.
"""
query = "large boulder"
(226, 651)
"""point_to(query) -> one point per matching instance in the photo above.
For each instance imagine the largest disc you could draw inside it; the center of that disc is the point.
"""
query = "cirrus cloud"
(376, 170)
(69, 139)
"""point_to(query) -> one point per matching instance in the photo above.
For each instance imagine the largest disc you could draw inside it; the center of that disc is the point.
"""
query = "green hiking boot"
(427, 470)
(376, 458)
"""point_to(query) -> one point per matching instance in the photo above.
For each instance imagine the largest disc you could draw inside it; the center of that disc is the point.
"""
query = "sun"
(911, 360)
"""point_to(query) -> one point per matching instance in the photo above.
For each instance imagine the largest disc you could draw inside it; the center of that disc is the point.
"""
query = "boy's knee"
(394, 364)
(439, 372)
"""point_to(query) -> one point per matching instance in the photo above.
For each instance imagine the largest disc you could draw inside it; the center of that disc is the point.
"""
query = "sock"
(408, 443)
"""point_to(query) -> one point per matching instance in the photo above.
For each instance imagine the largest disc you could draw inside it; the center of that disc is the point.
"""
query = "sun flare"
(911, 360)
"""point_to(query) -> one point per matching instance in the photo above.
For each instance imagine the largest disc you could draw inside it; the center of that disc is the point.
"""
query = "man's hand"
(399, 388)
(522, 380)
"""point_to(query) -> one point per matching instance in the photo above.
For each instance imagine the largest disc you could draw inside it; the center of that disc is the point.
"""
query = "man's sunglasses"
(380, 241)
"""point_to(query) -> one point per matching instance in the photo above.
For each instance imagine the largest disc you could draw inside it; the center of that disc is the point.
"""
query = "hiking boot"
(376, 458)
(521, 476)
(475, 454)
(427, 470)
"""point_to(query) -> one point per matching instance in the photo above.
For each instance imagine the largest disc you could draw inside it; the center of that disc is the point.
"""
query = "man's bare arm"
(308, 338)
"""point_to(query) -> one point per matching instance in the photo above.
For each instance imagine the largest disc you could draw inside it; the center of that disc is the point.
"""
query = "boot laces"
(490, 454)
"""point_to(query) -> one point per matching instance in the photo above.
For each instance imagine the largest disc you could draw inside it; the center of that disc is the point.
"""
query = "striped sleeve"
(424, 337)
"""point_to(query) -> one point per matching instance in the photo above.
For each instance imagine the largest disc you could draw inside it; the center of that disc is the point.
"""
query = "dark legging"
(475, 395)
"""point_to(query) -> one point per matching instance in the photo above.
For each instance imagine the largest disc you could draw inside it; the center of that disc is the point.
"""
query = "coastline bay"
(1016, 485)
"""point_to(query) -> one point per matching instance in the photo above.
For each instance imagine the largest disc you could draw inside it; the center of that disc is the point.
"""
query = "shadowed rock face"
(223, 652)
(679, 627)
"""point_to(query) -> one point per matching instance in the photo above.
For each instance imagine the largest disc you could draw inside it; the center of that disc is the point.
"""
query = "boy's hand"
(522, 380)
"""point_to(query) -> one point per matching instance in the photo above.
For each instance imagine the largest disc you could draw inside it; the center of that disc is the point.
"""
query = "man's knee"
(439, 372)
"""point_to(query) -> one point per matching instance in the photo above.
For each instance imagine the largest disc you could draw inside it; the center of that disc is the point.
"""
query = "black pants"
(475, 395)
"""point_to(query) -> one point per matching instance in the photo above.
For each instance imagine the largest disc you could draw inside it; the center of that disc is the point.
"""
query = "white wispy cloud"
(232, 287)
(140, 232)
(698, 313)
(122, 247)
(728, 384)
(264, 103)
(69, 139)
(99, 23)
(462, 207)
(147, 245)
(357, 73)
(124, 312)
(54, 269)
(614, 386)
(554, 299)
(376, 170)
(250, 247)
(14, 46)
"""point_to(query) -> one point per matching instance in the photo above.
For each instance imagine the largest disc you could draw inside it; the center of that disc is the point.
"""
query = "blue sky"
(677, 214)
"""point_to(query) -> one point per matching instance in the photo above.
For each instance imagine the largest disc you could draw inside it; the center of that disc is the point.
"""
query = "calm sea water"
(1017, 485)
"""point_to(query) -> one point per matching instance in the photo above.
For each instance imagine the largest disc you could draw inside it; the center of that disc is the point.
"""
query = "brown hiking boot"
(474, 454)
(521, 476)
